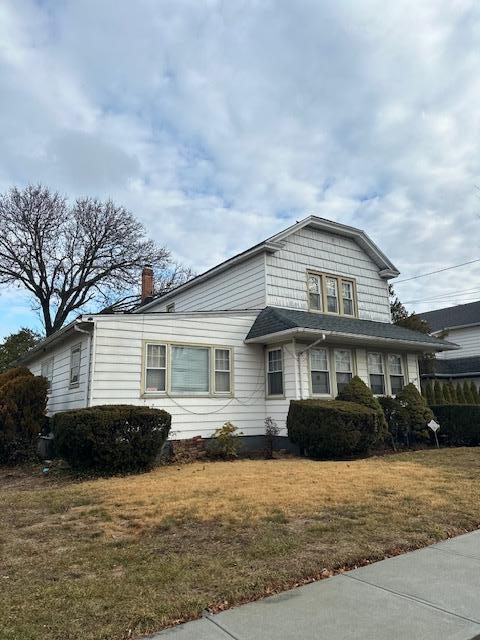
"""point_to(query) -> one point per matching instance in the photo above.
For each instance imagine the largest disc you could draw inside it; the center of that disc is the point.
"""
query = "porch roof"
(275, 324)
(467, 367)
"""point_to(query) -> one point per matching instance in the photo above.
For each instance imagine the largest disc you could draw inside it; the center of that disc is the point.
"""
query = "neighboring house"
(295, 316)
(460, 324)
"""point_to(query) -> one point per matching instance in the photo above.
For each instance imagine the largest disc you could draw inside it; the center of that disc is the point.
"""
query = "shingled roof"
(452, 368)
(273, 320)
(449, 317)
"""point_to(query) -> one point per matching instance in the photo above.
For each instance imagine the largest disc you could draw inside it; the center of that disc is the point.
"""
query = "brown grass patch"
(115, 558)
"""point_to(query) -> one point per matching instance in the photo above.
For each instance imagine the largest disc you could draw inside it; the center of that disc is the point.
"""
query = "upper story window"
(275, 372)
(331, 294)
(47, 372)
(75, 358)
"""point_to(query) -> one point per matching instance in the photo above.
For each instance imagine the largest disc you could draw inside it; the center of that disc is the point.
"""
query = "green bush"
(111, 438)
(429, 393)
(459, 424)
(438, 392)
(417, 413)
(452, 392)
(333, 428)
(474, 392)
(460, 397)
(23, 402)
(225, 443)
(357, 391)
(397, 420)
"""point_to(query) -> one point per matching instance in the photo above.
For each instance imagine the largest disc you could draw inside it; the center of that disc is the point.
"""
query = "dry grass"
(115, 558)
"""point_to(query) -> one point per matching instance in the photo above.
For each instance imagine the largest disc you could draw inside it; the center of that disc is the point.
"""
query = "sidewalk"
(430, 594)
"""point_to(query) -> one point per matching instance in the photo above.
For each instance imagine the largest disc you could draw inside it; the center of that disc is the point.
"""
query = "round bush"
(332, 428)
(357, 391)
(111, 438)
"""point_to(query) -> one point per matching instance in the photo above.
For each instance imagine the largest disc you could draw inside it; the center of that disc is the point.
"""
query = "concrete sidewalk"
(430, 594)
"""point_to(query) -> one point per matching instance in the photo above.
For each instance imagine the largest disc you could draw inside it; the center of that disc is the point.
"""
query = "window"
(75, 356)
(347, 298)
(332, 295)
(319, 371)
(222, 371)
(171, 307)
(343, 367)
(395, 370)
(275, 372)
(47, 372)
(156, 369)
(190, 367)
(375, 373)
(315, 292)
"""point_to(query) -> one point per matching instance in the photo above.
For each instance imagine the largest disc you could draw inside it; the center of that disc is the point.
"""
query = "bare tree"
(70, 255)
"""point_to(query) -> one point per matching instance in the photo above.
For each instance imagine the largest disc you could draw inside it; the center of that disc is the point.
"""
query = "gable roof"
(460, 316)
(386, 268)
(275, 323)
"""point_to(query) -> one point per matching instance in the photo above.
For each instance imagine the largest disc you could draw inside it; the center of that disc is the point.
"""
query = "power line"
(462, 293)
(431, 273)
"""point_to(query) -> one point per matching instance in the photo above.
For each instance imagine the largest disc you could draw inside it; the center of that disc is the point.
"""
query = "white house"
(295, 316)
(461, 324)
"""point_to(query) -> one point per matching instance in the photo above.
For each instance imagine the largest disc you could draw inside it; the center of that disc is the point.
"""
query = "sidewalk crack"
(211, 619)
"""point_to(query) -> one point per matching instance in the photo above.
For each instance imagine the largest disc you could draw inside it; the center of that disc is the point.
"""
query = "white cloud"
(220, 123)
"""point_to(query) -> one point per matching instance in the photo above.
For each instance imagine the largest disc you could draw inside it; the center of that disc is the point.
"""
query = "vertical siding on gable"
(468, 339)
(118, 369)
(325, 252)
(240, 287)
(62, 397)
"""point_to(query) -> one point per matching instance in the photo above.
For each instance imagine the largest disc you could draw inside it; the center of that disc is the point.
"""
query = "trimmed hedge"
(332, 428)
(459, 423)
(111, 438)
(23, 402)
(357, 391)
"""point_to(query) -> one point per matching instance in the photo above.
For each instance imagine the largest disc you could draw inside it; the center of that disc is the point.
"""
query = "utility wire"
(431, 273)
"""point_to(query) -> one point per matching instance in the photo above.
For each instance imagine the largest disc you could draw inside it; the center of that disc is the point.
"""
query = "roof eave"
(296, 332)
(59, 335)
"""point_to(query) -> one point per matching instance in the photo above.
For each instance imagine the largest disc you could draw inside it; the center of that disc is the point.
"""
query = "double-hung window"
(75, 358)
(343, 367)
(376, 373)
(47, 372)
(156, 368)
(395, 370)
(222, 371)
(315, 296)
(331, 294)
(319, 372)
(275, 372)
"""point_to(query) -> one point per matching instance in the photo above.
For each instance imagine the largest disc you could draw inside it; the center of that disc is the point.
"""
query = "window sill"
(74, 386)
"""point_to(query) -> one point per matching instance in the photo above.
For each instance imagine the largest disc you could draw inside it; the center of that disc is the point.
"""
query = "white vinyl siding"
(467, 338)
(311, 250)
(46, 371)
(240, 287)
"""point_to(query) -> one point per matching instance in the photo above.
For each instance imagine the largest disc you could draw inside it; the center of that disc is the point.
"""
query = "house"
(295, 316)
(461, 324)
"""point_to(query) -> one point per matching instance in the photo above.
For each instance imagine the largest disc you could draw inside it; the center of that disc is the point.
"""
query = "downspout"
(90, 352)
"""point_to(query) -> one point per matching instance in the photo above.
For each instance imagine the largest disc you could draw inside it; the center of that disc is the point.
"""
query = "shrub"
(467, 393)
(357, 391)
(271, 432)
(417, 413)
(459, 424)
(446, 393)
(474, 392)
(429, 393)
(451, 392)
(460, 396)
(333, 428)
(111, 438)
(397, 420)
(23, 402)
(438, 392)
(225, 442)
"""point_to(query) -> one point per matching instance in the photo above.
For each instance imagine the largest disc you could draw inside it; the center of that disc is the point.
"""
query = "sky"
(219, 123)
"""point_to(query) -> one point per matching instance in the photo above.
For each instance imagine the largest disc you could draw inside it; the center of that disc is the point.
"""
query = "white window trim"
(327, 370)
(215, 370)
(269, 395)
(385, 383)
(76, 347)
(386, 371)
(145, 368)
(390, 375)
(211, 393)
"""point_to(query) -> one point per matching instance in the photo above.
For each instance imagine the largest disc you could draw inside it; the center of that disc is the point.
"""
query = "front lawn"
(117, 558)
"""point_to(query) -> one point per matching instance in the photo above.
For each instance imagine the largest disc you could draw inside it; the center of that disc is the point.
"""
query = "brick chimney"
(147, 283)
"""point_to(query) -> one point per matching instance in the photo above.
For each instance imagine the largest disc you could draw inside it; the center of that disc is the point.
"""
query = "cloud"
(220, 123)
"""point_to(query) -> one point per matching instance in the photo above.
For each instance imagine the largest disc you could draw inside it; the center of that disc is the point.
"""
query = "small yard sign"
(434, 426)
